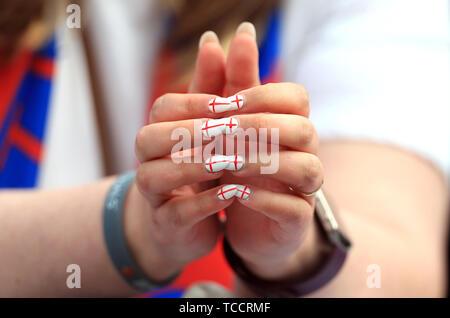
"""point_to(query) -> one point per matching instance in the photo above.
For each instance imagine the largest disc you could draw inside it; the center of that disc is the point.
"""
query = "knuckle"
(139, 144)
(143, 180)
(305, 102)
(306, 135)
(262, 121)
(156, 113)
(190, 105)
(308, 130)
(311, 137)
(313, 172)
(301, 98)
(173, 176)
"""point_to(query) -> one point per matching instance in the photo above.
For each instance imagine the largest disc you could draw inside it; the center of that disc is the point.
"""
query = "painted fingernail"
(230, 125)
(236, 101)
(219, 105)
(219, 162)
(216, 163)
(223, 104)
(235, 162)
(227, 192)
(246, 27)
(208, 36)
(212, 127)
(215, 127)
(242, 192)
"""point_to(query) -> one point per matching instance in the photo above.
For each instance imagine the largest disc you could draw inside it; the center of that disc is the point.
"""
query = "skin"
(393, 203)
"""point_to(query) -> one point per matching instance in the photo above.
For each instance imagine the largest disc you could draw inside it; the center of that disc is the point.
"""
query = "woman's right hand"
(169, 221)
(171, 209)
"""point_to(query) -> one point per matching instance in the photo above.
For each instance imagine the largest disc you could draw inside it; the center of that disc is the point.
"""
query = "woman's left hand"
(268, 229)
(273, 231)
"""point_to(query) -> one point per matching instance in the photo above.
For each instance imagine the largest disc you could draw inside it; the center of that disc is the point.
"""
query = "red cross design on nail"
(223, 192)
(237, 100)
(243, 192)
(231, 125)
(213, 104)
(214, 162)
(207, 127)
(236, 162)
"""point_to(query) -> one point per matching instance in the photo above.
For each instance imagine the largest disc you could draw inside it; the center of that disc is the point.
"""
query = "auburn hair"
(190, 18)
(28, 22)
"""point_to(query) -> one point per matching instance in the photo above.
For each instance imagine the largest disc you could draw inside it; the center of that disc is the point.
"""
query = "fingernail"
(219, 105)
(243, 192)
(215, 127)
(230, 125)
(227, 192)
(236, 101)
(235, 162)
(217, 163)
(224, 104)
(247, 27)
(208, 36)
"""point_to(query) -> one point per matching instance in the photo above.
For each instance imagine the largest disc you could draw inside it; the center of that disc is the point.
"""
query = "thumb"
(242, 69)
(209, 76)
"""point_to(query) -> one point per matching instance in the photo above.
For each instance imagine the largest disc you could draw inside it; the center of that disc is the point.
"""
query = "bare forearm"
(42, 232)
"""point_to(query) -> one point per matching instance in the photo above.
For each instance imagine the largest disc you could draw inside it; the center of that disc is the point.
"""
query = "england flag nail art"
(219, 162)
(242, 192)
(219, 105)
(223, 104)
(215, 127)
(216, 163)
(228, 191)
(236, 101)
(235, 163)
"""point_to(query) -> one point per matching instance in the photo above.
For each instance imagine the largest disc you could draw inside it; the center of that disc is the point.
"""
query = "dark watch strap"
(319, 278)
(115, 238)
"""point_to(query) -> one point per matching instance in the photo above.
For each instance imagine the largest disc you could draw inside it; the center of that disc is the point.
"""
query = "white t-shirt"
(376, 70)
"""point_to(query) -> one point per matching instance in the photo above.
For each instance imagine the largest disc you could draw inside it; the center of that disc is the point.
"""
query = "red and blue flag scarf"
(25, 88)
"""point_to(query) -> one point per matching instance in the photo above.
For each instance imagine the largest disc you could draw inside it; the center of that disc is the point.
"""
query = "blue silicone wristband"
(115, 238)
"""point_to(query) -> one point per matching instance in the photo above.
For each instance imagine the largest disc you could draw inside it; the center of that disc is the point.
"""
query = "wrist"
(300, 264)
(136, 223)
(314, 271)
